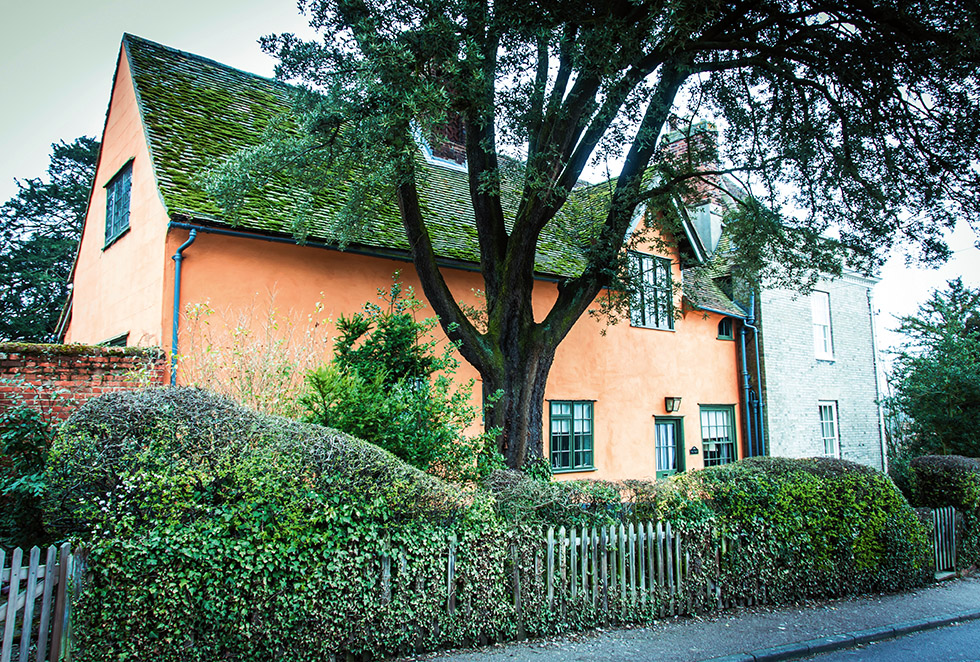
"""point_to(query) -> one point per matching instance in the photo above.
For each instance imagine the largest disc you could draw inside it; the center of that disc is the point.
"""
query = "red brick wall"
(58, 378)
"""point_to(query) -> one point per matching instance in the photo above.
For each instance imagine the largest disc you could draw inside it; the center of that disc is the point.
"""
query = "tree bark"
(514, 400)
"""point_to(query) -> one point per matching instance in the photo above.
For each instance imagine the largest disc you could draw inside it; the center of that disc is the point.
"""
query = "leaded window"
(651, 304)
(117, 203)
(571, 435)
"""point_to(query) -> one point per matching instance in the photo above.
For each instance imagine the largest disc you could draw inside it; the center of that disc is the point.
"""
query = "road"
(954, 643)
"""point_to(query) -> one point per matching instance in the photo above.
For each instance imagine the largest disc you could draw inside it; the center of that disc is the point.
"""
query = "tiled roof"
(702, 293)
(198, 112)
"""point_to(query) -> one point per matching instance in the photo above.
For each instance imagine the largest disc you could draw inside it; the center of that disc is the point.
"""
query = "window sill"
(651, 328)
(825, 359)
(574, 471)
(111, 241)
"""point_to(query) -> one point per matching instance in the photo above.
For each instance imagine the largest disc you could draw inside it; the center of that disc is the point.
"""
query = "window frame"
(118, 191)
(580, 444)
(732, 433)
(822, 322)
(832, 407)
(660, 294)
(679, 447)
(731, 329)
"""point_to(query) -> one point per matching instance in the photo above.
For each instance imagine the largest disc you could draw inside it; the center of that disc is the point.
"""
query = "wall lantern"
(672, 404)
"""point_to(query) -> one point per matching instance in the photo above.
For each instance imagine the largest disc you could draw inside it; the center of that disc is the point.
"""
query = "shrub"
(214, 532)
(814, 527)
(387, 385)
(24, 439)
(951, 480)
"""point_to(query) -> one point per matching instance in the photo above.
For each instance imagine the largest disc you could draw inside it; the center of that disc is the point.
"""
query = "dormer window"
(117, 203)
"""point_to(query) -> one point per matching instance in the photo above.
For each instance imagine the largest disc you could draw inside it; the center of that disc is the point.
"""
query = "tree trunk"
(519, 411)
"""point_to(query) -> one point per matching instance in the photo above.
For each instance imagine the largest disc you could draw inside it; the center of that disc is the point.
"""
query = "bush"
(951, 480)
(815, 527)
(214, 532)
(24, 439)
(387, 385)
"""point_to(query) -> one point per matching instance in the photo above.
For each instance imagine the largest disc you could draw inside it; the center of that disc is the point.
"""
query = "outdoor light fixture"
(672, 404)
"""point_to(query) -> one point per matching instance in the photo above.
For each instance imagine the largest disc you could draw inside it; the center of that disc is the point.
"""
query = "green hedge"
(951, 480)
(214, 532)
(814, 527)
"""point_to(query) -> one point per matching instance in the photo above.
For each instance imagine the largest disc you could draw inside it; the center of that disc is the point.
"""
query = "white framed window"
(651, 305)
(829, 428)
(823, 341)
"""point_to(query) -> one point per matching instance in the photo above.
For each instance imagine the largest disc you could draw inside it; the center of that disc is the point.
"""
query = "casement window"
(823, 342)
(718, 434)
(117, 203)
(829, 429)
(651, 305)
(571, 425)
(725, 330)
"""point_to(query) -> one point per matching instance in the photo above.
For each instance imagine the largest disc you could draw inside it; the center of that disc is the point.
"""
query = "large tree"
(863, 116)
(41, 227)
(936, 376)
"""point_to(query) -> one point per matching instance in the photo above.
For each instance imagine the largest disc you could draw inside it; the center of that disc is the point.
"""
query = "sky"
(57, 59)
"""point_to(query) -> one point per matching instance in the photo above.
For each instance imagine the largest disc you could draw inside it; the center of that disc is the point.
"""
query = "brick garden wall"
(58, 378)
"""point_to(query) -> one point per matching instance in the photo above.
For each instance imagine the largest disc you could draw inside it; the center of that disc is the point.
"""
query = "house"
(813, 364)
(659, 394)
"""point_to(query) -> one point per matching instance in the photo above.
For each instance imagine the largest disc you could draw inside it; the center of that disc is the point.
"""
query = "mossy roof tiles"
(198, 112)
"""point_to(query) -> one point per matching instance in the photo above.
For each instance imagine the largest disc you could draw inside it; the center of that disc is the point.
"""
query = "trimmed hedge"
(214, 532)
(815, 527)
(951, 480)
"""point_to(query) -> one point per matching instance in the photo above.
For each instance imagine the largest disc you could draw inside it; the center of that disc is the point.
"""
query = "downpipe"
(178, 258)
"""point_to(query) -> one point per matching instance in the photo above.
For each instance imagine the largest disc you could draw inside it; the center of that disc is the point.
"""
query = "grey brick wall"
(795, 381)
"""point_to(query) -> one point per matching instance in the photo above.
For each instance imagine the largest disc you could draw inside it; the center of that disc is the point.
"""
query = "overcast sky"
(57, 59)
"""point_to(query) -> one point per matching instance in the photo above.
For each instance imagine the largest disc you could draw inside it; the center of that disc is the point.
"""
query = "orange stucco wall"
(627, 372)
(118, 288)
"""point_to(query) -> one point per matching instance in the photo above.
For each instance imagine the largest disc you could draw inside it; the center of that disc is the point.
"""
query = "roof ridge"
(129, 37)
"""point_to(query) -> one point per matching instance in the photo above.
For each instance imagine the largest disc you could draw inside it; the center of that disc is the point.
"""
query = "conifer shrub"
(951, 480)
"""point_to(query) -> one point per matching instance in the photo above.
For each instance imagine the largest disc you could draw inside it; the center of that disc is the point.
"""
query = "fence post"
(13, 588)
(49, 583)
(58, 630)
(30, 595)
(451, 576)
(550, 572)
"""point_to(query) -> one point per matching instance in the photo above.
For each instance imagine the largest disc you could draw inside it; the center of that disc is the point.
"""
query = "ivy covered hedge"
(214, 532)
(815, 527)
(951, 480)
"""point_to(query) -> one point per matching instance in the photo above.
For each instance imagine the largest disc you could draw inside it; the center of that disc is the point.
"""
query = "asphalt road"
(954, 643)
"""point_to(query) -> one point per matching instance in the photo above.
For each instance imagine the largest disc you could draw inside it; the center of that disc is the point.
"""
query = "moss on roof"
(198, 112)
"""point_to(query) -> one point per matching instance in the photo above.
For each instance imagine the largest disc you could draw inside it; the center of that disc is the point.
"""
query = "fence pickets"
(944, 539)
(36, 613)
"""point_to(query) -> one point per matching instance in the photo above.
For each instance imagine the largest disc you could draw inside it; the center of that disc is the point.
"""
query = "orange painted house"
(172, 115)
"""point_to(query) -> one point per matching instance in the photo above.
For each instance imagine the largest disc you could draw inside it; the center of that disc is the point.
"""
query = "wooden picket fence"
(36, 615)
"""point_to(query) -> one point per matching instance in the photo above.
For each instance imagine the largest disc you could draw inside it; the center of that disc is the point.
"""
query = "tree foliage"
(862, 116)
(42, 225)
(936, 379)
